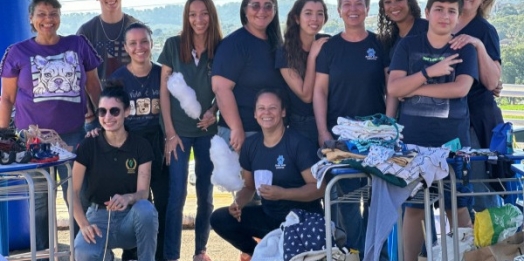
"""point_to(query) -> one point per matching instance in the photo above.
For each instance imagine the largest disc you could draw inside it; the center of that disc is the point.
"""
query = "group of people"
(278, 99)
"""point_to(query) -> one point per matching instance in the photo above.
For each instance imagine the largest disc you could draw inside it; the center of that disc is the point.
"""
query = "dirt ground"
(217, 248)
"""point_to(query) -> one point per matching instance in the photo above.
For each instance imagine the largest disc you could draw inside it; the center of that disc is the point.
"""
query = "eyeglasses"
(267, 6)
(101, 112)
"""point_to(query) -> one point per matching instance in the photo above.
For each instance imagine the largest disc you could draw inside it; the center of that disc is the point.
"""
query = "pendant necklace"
(142, 83)
(104, 30)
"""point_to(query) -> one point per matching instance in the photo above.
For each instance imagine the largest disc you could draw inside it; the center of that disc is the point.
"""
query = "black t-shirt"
(357, 82)
(111, 170)
(286, 160)
(432, 121)
(249, 62)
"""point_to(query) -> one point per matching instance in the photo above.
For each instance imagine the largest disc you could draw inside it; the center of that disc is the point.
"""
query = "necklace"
(104, 30)
(136, 77)
(276, 142)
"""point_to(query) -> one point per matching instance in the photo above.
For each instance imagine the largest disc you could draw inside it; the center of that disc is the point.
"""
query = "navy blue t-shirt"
(286, 160)
(144, 93)
(249, 62)
(420, 26)
(296, 105)
(357, 83)
(483, 109)
(432, 121)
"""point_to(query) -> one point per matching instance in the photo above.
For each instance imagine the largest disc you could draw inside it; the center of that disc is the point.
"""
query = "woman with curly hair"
(296, 61)
(398, 19)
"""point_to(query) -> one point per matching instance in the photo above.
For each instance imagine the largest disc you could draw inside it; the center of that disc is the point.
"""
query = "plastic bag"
(465, 235)
(496, 224)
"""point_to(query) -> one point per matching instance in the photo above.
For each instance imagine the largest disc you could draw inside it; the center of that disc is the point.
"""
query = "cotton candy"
(226, 173)
(184, 94)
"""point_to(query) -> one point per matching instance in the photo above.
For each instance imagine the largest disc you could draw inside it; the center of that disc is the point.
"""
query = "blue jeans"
(137, 226)
(178, 171)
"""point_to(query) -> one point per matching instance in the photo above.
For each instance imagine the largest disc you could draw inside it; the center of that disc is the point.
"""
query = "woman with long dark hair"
(191, 53)
(296, 61)
(398, 19)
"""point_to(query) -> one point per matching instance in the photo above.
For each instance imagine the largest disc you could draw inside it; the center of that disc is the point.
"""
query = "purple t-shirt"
(51, 81)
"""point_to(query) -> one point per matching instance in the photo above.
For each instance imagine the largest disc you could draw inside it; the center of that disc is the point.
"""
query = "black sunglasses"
(101, 112)
(267, 6)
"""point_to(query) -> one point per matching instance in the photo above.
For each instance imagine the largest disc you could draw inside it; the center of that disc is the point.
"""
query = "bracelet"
(425, 73)
(166, 139)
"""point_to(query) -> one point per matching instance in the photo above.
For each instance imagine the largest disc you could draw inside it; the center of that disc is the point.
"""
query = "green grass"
(512, 107)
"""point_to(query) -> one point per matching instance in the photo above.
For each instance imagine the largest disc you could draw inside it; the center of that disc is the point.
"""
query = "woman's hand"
(93, 133)
(498, 90)
(207, 120)
(270, 192)
(236, 139)
(444, 67)
(235, 211)
(119, 202)
(461, 40)
(89, 232)
(316, 46)
(171, 144)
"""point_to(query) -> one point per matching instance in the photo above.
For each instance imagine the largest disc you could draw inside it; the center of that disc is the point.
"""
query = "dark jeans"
(306, 126)
(178, 172)
(254, 223)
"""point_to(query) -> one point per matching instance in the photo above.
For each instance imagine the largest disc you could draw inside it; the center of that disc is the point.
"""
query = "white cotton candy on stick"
(184, 94)
(226, 172)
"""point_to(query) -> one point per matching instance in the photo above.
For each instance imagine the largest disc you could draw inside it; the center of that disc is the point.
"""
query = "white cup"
(263, 177)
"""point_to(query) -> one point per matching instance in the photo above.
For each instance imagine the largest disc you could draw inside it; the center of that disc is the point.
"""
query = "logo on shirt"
(280, 162)
(372, 54)
(131, 166)
(56, 77)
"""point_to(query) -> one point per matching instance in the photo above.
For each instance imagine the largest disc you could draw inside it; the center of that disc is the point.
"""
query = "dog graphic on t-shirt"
(57, 76)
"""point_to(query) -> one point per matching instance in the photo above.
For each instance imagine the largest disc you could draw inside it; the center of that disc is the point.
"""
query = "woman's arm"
(391, 101)
(306, 193)
(89, 232)
(93, 86)
(121, 202)
(489, 69)
(320, 97)
(9, 90)
(245, 195)
(223, 89)
(303, 88)
(172, 139)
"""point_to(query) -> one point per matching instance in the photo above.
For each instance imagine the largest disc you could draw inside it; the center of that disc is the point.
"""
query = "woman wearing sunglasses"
(191, 54)
(117, 168)
(245, 64)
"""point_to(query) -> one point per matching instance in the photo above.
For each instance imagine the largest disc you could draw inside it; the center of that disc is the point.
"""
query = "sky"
(69, 6)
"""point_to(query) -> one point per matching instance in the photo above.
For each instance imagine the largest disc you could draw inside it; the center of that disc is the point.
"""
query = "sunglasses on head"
(101, 112)
(267, 6)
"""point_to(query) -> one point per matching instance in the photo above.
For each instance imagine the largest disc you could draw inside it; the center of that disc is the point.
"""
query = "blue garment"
(420, 26)
(429, 121)
(483, 109)
(178, 172)
(357, 82)
(287, 159)
(145, 97)
(136, 226)
(253, 71)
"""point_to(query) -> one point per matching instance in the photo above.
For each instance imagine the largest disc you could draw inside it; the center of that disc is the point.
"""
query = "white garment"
(270, 248)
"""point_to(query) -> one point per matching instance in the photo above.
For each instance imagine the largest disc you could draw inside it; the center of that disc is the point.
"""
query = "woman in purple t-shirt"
(46, 78)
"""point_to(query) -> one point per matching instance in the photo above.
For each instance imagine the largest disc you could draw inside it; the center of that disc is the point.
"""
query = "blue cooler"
(14, 217)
